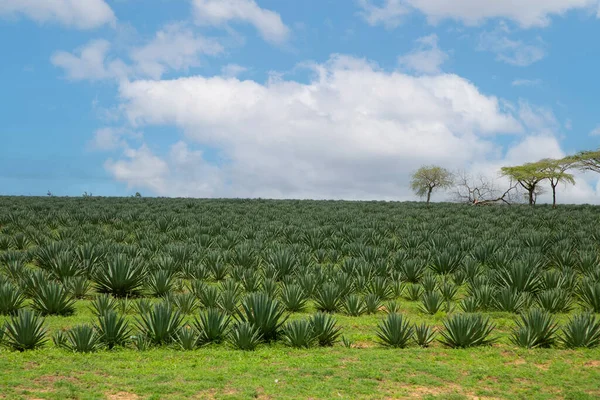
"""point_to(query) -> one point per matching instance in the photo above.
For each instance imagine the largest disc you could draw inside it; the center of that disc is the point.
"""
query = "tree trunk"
(553, 196)
(429, 195)
(531, 196)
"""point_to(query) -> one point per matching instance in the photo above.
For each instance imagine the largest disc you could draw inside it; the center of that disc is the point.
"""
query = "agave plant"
(187, 338)
(467, 330)
(120, 277)
(11, 299)
(160, 282)
(325, 329)
(554, 300)
(431, 302)
(509, 300)
(372, 303)
(52, 298)
(589, 295)
(213, 326)
(299, 333)
(293, 298)
(264, 313)
(103, 303)
(113, 329)
(78, 286)
(328, 298)
(353, 305)
(413, 292)
(161, 324)
(535, 328)
(186, 303)
(424, 335)
(244, 336)
(25, 331)
(395, 331)
(80, 339)
(582, 330)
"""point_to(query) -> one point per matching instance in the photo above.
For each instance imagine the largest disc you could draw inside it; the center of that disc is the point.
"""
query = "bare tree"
(482, 190)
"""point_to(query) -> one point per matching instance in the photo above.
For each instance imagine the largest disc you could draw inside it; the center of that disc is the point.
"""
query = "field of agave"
(245, 273)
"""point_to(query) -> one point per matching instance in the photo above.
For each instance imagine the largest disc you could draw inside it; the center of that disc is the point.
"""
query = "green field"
(354, 264)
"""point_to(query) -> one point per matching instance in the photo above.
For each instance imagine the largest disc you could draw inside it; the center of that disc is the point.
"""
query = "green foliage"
(264, 313)
(428, 178)
(293, 298)
(431, 302)
(120, 276)
(535, 328)
(589, 295)
(395, 331)
(582, 330)
(11, 299)
(113, 329)
(328, 298)
(187, 338)
(25, 331)
(424, 335)
(81, 339)
(467, 330)
(298, 333)
(244, 336)
(325, 329)
(353, 305)
(52, 298)
(161, 324)
(213, 326)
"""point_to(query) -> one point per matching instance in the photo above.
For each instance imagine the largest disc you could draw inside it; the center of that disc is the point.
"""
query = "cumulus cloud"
(80, 14)
(220, 12)
(174, 47)
(595, 131)
(233, 70)
(528, 13)
(426, 58)
(90, 62)
(111, 138)
(514, 52)
(353, 131)
(388, 14)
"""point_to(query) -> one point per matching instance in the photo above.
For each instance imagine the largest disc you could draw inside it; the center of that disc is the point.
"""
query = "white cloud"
(527, 13)
(111, 138)
(174, 47)
(354, 131)
(220, 12)
(513, 52)
(427, 58)
(81, 14)
(595, 131)
(233, 70)
(140, 168)
(184, 173)
(526, 82)
(388, 14)
(89, 62)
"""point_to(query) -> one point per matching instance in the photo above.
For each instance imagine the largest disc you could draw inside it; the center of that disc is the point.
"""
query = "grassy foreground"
(279, 372)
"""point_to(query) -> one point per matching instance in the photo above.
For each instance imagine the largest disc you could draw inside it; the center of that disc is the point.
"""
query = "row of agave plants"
(261, 319)
(58, 274)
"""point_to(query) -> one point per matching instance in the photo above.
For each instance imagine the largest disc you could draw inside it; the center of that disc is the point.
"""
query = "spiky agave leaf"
(52, 298)
(325, 329)
(264, 313)
(113, 329)
(535, 328)
(299, 333)
(467, 330)
(395, 331)
(11, 299)
(82, 339)
(582, 330)
(120, 276)
(25, 331)
(244, 336)
(213, 326)
(161, 324)
(424, 334)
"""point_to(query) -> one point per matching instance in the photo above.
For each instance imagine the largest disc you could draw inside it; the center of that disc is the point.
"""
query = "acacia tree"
(529, 177)
(556, 172)
(430, 177)
(587, 160)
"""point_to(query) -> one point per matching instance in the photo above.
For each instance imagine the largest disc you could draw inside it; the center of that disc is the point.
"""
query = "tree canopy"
(428, 178)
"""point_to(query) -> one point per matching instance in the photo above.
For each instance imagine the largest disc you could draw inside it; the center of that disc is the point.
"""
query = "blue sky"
(290, 99)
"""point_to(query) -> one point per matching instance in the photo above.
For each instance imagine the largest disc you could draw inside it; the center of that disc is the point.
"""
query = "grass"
(276, 371)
